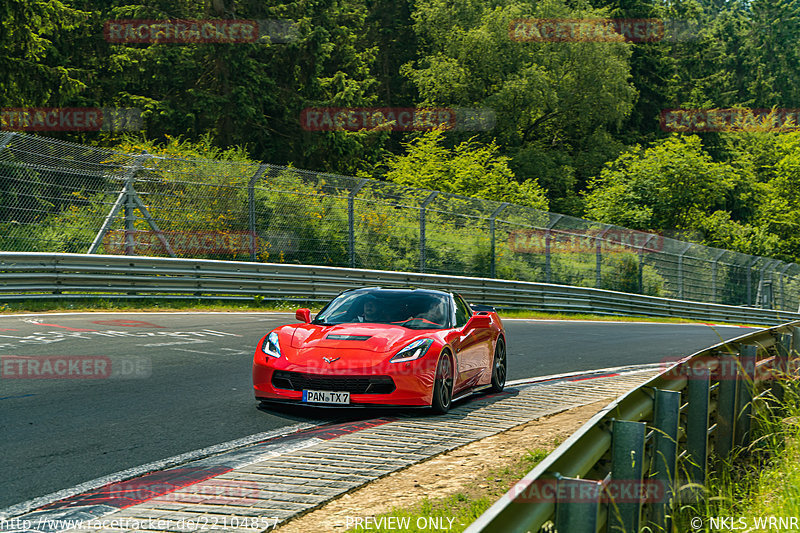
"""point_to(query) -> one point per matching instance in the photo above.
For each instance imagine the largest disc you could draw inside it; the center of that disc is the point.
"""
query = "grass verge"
(758, 487)
(135, 305)
(259, 305)
(456, 512)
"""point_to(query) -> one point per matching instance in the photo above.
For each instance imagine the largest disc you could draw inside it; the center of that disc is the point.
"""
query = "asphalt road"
(157, 385)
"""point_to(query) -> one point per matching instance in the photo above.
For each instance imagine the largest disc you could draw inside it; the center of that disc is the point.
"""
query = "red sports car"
(383, 347)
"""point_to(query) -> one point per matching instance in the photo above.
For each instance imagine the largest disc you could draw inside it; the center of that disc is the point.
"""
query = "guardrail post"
(577, 505)
(493, 267)
(251, 209)
(627, 465)
(794, 368)
(726, 404)
(783, 346)
(351, 221)
(422, 208)
(697, 425)
(666, 419)
(744, 403)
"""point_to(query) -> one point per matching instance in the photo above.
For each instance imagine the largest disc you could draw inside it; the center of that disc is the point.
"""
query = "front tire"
(443, 386)
(499, 369)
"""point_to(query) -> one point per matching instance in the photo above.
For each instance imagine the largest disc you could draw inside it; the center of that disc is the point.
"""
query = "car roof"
(390, 290)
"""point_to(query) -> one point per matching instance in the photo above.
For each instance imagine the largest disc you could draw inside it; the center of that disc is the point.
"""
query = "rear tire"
(443, 385)
(499, 369)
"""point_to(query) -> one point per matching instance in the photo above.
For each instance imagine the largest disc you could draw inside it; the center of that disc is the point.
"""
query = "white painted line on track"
(562, 320)
(146, 313)
(177, 343)
(616, 369)
(27, 506)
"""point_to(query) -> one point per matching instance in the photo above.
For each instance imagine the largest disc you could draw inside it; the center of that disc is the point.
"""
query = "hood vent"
(335, 337)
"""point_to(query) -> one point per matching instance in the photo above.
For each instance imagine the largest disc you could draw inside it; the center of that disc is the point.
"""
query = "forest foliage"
(577, 124)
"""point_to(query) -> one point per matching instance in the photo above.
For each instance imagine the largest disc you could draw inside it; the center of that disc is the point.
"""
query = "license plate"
(323, 396)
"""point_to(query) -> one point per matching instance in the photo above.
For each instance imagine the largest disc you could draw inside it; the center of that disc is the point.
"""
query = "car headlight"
(271, 346)
(415, 350)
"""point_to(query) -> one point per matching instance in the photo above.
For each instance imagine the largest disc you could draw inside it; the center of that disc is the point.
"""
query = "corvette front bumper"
(412, 381)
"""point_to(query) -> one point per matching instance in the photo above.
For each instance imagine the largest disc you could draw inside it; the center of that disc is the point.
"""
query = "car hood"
(378, 338)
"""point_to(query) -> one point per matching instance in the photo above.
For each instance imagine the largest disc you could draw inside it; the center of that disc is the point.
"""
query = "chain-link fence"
(63, 197)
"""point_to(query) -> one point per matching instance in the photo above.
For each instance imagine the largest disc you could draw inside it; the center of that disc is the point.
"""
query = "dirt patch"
(465, 470)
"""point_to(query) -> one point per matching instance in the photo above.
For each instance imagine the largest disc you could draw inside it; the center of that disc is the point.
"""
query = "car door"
(473, 347)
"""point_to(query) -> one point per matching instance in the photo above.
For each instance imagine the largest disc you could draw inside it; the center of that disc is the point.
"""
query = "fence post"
(680, 270)
(744, 404)
(548, 270)
(351, 221)
(577, 505)
(627, 466)
(598, 239)
(726, 404)
(251, 209)
(782, 278)
(666, 420)
(422, 208)
(714, 265)
(641, 263)
(697, 425)
(748, 269)
(764, 293)
(493, 267)
(130, 219)
(123, 200)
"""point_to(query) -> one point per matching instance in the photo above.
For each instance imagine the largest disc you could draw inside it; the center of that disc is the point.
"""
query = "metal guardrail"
(658, 439)
(31, 275)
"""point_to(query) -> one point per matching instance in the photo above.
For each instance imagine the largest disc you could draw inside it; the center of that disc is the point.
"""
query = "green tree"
(664, 187)
(32, 71)
(468, 169)
(554, 101)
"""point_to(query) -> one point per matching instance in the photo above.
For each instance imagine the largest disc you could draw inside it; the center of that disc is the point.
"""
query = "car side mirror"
(303, 315)
(479, 321)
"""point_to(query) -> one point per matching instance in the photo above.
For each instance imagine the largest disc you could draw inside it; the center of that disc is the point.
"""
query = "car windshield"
(410, 309)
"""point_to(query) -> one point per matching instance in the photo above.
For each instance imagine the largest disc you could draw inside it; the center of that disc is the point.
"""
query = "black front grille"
(352, 384)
